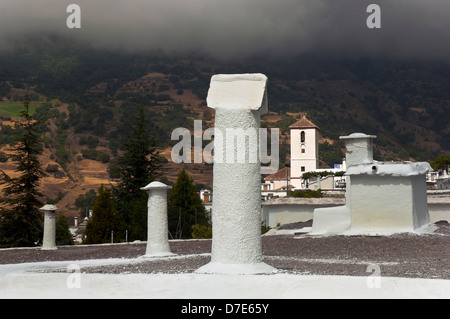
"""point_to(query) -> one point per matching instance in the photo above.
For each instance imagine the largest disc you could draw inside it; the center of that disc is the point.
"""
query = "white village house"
(438, 180)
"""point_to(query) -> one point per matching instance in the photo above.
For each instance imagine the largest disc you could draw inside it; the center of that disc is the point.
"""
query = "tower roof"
(303, 123)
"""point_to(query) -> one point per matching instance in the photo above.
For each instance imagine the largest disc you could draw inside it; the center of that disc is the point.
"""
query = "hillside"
(89, 99)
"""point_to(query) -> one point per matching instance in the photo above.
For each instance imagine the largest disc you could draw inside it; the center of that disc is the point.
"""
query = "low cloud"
(240, 28)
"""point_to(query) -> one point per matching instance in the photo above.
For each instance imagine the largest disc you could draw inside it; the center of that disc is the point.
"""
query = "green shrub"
(264, 228)
(201, 231)
(307, 193)
(52, 168)
(95, 155)
(3, 157)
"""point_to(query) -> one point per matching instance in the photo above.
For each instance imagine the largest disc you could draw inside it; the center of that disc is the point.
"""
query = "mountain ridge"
(89, 98)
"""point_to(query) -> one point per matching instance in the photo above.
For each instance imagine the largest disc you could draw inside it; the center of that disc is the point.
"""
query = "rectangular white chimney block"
(238, 92)
(381, 198)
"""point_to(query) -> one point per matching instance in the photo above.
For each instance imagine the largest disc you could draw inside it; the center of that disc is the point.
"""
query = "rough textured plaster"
(157, 236)
(236, 212)
(49, 241)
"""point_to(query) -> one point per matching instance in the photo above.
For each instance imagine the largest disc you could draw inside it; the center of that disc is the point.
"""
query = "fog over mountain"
(240, 28)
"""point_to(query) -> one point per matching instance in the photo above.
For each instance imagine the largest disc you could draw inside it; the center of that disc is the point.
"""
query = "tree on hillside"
(441, 163)
(185, 207)
(21, 221)
(137, 167)
(104, 220)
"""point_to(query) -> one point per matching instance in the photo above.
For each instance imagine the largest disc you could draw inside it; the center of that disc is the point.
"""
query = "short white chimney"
(359, 148)
(158, 229)
(49, 242)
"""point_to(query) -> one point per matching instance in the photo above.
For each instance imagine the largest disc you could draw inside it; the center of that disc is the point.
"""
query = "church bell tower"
(304, 149)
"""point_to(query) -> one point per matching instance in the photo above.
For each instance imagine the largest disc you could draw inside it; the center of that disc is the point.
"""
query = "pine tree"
(21, 221)
(63, 235)
(104, 220)
(185, 207)
(138, 166)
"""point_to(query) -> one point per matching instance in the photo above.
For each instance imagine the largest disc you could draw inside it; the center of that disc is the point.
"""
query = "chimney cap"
(357, 136)
(49, 207)
(156, 185)
(238, 92)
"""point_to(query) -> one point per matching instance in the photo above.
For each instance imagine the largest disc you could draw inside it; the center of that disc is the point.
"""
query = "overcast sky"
(241, 28)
